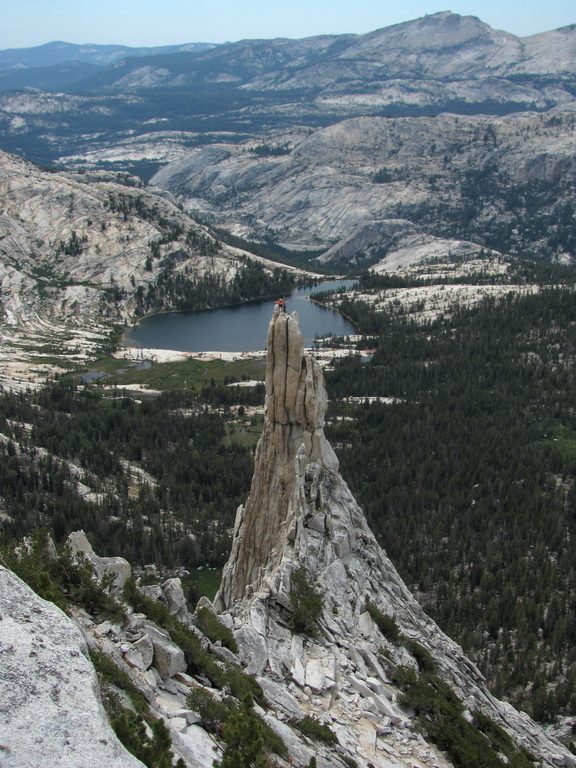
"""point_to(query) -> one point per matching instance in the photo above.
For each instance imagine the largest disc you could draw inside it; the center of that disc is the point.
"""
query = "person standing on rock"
(281, 304)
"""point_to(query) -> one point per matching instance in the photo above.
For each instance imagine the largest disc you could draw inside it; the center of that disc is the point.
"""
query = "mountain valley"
(504, 183)
(435, 163)
(81, 255)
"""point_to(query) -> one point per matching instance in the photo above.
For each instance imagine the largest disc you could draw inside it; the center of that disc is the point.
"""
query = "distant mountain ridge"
(59, 52)
(105, 109)
(60, 66)
(437, 46)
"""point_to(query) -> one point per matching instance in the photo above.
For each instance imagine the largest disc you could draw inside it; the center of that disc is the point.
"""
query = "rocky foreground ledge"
(50, 708)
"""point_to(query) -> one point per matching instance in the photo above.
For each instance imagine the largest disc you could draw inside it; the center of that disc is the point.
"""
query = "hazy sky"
(163, 22)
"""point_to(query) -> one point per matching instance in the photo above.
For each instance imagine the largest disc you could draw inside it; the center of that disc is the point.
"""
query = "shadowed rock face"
(293, 433)
(300, 514)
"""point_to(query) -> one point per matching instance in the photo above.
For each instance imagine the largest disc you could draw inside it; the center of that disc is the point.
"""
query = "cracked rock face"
(301, 514)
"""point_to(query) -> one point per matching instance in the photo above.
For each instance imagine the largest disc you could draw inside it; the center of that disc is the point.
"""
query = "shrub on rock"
(305, 601)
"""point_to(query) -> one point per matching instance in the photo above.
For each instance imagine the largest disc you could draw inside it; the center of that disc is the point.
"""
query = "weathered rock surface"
(174, 595)
(153, 647)
(397, 244)
(115, 225)
(334, 186)
(170, 594)
(301, 514)
(168, 657)
(50, 711)
(166, 696)
(295, 408)
(117, 569)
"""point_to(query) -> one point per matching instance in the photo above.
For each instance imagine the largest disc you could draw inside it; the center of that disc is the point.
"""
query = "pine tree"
(242, 734)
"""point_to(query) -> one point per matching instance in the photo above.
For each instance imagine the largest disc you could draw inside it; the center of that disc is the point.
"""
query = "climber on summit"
(281, 304)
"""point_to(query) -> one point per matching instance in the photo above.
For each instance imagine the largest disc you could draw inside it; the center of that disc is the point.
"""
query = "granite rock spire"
(291, 455)
(301, 516)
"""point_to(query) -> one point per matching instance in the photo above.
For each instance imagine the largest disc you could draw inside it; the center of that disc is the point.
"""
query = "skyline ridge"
(106, 25)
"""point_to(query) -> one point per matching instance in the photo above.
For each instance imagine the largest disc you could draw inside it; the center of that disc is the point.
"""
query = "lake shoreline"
(335, 309)
(156, 355)
(236, 328)
(233, 305)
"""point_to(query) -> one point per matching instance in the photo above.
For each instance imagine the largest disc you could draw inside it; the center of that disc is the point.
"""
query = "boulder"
(116, 567)
(366, 625)
(191, 718)
(197, 747)
(315, 677)
(380, 706)
(227, 620)
(169, 658)
(223, 653)
(150, 678)
(298, 673)
(174, 596)
(252, 650)
(153, 592)
(281, 698)
(300, 752)
(178, 723)
(134, 659)
(146, 649)
(139, 623)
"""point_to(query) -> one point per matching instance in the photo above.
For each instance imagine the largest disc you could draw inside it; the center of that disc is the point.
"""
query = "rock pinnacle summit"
(301, 518)
(291, 456)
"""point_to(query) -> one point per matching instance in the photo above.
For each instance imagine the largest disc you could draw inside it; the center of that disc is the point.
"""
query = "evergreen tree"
(242, 734)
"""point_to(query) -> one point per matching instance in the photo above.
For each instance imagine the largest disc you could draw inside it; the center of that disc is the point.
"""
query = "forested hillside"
(157, 481)
(467, 477)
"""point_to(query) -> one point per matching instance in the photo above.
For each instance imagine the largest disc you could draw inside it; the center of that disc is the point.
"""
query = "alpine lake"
(236, 329)
(239, 328)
